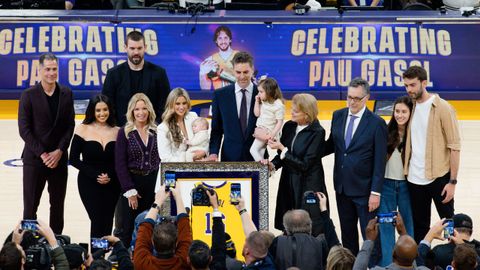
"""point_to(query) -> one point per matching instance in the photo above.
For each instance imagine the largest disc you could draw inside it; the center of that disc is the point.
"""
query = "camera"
(448, 231)
(387, 217)
(37, 254)
(200, 197)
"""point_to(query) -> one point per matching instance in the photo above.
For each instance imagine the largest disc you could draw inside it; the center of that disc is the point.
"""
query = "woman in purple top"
(136, 162)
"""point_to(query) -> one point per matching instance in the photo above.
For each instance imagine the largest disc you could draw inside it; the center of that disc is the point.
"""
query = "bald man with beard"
(404, 252)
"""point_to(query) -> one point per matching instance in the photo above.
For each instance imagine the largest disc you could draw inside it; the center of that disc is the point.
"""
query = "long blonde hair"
(169, 116)
(130, 125)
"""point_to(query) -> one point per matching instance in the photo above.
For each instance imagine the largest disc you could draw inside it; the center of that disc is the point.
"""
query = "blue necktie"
(349, 133)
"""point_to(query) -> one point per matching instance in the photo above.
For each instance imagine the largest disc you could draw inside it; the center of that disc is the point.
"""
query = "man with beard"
(136, 76)
(132, 77)
(432, 152)
(217, 69)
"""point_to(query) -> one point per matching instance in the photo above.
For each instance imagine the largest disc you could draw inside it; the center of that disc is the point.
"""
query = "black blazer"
(37, 127)
(302, 168)
(117, 88)
(225, 121)
(360, 168)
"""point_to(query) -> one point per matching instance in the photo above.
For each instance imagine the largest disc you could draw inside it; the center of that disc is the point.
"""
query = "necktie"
(348, 134)
(243, 112)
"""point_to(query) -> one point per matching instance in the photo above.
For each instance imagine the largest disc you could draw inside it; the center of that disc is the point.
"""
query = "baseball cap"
(76, 255)
(462, 221)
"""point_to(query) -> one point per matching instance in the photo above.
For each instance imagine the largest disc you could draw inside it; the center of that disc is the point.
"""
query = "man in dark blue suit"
(232, 114)
(359, 139)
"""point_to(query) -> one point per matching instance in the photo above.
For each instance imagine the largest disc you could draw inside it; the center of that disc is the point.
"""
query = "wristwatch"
(453, 181)
(156, 206)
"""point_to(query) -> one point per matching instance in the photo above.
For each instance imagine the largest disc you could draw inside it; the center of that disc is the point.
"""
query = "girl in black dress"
(98, 185)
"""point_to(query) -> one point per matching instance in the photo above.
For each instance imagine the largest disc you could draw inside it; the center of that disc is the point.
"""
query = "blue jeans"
(394, 194)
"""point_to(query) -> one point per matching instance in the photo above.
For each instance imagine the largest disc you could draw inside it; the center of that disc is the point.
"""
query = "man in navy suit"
(46, 120)
(359, 139)
(232, 114)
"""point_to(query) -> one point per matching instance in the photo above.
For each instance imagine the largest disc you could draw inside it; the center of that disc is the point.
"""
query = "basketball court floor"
(77, 224)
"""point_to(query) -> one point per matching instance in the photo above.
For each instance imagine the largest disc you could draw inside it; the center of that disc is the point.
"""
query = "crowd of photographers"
(166, 243)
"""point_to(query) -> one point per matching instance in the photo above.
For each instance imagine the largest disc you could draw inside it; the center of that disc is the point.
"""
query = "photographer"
(404, 251)
(442, 255)
(16, 259)
(247, 222)
(123, 256)
(171, 243)
(308, 252)
(199, 255)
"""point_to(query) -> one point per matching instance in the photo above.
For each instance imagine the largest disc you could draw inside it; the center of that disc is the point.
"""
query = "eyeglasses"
(355, 99)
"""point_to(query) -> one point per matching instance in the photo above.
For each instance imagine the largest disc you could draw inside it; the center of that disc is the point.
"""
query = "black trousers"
(145, 186)
(99, 201)
(34, 180)
(421, 197)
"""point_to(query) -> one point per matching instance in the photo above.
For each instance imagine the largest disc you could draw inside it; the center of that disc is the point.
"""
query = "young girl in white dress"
(270, 110)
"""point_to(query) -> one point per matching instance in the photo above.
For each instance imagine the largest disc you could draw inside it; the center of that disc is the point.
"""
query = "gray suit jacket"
(361, 262)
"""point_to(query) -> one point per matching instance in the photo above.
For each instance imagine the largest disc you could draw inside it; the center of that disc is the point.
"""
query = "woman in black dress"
(300, 155)
(98, 185)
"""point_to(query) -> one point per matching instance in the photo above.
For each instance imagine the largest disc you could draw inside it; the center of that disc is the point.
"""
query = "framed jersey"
(250, 179)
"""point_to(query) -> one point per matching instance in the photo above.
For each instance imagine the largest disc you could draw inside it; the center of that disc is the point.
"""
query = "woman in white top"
(176, 128)
(395, 196)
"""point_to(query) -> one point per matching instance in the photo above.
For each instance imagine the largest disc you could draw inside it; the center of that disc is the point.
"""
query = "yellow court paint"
(466, 109)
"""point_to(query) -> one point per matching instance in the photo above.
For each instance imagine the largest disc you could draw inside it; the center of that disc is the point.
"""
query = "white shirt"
(239, 95)
(355, 122)
(394, 168)
(416, 170)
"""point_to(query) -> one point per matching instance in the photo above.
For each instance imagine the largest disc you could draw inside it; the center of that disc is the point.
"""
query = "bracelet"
(242, 211)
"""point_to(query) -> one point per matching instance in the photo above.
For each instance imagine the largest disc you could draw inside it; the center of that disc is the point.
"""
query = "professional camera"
(200, 197)
(37, 257)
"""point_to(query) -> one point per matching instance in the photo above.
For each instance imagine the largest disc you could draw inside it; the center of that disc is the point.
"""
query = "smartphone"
(170, 180)
(448, 231)
(235, 193)
(29, 225)
(310, 197)
(99, 243)
(387, 217)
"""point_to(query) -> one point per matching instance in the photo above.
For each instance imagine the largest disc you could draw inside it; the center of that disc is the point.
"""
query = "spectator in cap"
(442, 255)
(77, 256)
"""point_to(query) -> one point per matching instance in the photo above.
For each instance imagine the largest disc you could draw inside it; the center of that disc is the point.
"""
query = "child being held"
(270, 111)
(200, 139)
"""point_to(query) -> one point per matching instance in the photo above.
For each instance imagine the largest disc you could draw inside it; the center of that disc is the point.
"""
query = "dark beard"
(135, 61)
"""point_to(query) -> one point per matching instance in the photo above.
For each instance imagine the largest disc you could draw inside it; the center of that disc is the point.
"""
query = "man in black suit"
(359, 139)
(46, 120)
(136, 76)
(232, 114)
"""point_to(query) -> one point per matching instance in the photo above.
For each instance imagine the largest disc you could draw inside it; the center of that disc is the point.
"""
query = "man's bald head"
(405, 251)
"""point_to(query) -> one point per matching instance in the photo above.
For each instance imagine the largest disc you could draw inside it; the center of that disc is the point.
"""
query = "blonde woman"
(176, 128)
(136, 162)
(300, 155)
